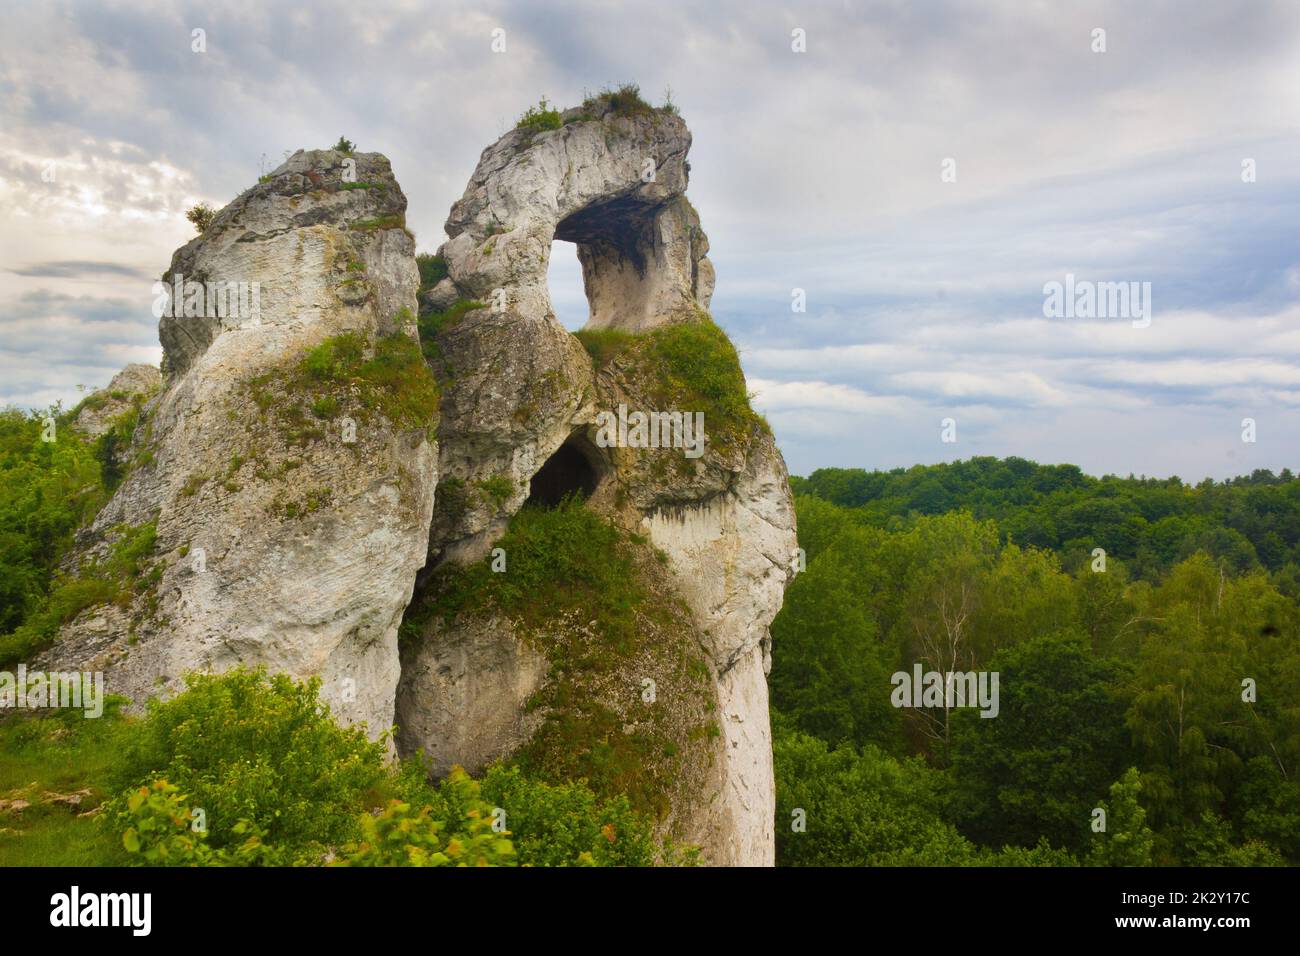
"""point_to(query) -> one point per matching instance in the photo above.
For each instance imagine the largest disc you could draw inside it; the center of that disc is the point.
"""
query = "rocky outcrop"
(285, 475)
(520, 423)
(278, 505)
(129, 388)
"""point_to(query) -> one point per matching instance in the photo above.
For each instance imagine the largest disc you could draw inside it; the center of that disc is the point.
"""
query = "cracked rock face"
(520, 419)
(291, 504)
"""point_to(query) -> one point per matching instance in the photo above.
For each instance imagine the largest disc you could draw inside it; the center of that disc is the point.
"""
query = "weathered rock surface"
(519, 415)
(135, 383)
(291, 504)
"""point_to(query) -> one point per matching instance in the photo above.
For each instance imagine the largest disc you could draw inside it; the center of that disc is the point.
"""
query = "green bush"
(247, 747)
(433, 269)
(565, 824)
(403, 836)
(123, 575)
(539, 118)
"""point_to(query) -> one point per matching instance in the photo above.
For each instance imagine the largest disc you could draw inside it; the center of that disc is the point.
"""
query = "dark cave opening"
(568, 471)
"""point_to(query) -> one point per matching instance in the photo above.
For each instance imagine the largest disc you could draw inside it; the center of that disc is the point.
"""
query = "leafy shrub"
(245, 746)
(201, 215)
(433, 269)
(124, 574)
(565, 824)
(625, 100)
(344, 145)
(688, 365)
(403, 836)
(539, 118)
(47, 491)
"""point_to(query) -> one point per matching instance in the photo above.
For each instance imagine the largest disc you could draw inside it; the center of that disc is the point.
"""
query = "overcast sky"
(819, 170)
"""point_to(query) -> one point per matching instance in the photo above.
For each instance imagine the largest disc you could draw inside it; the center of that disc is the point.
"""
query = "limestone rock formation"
(100, 409)
(285, 475)
(520, 424)
(278, 505)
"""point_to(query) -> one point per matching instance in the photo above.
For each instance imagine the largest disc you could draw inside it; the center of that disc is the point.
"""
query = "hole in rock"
(609, 283)
(570, 470)
(564, 281)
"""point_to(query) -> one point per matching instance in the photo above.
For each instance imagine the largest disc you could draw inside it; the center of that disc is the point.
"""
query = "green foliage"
(403, 836)
(831, 668)
(1182, 663)
(390, 221)
(389, 377)
(624, 100)
(1126, 841)
(433, 269)
(689, 365)
(1151, 524)
(540, 118)
(434, 323)
(201, 215)
(566, 824)
(47, 491)
(344, 145)
(59, 752)
(860, 808)
(603, 345)
(127, 572)
(496, 489)
(576, 591)
(1040, 766)
(247, 747)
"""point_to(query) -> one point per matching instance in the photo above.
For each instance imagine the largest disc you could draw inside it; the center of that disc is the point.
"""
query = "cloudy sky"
(821, 170)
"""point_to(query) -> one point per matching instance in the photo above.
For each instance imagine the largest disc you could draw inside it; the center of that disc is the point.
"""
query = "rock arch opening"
(572, 470)
(621, 273)
(564, 284)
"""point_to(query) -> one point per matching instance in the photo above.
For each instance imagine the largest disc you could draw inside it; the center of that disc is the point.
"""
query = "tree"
(201, 214)
(842, 807)
(1126, 841)
(344, 145)
(1039, 767)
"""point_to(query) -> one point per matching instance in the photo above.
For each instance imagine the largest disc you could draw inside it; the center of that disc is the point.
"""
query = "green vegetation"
(391, 221)
(432, 324)
(126, 572)
(579, 590)
(47, 491)
(691, 366)
(346, 374)
(540, 118)
(245, 746)
(1120, 689)
(1150, 524)
(58, 754)
(624, 100)
(201, 215)
(496, 489)
(246, 769)
(344, 145)
(433, 269)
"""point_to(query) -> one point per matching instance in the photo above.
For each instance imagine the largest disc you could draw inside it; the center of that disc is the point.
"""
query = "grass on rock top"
(689, 366)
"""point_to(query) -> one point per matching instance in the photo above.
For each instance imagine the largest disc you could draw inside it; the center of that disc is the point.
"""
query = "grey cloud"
(72, 269)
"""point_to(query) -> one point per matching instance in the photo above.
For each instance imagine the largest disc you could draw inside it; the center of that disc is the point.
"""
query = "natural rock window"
(569, 471)
(564, 284)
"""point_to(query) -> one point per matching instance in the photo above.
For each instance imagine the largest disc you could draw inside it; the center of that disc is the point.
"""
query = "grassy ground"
(46, 755)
